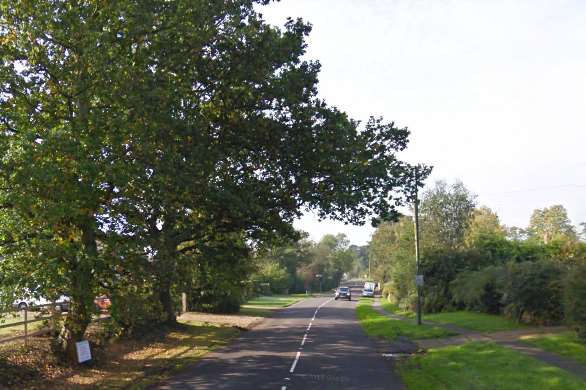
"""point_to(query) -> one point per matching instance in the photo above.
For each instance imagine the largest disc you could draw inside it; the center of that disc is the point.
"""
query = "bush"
(533, 291)
(274, 276)
(224, 297)
(134, 311)
(440, 268)
(479, 290)
(575, 300)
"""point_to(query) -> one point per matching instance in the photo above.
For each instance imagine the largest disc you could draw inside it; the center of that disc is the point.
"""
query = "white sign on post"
(83, 351)
(419, 280)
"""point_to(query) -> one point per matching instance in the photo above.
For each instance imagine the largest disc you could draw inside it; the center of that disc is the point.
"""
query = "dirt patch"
(117, 364)
(237, 321)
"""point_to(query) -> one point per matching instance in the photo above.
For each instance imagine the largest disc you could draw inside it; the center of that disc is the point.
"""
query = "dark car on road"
(343, 293)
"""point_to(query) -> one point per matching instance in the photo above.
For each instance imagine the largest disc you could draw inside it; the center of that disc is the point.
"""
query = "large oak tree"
(146, 129)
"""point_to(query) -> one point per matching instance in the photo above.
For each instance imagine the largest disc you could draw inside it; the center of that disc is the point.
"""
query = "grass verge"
(482, 366)
(565, 344)
(125, 363)
(480, 322)
(378, 325)
(263, 306)
(395, 309)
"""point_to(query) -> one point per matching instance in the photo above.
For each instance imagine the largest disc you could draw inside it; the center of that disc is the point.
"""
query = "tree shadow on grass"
(132, 362)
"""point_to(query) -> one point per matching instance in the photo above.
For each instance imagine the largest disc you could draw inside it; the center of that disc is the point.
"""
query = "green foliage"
(484, 226)
(533, 291)
(218, 283)
(278, 262)
(134, 311)
(550, 223)
(331, 257)
(391, 253)
(479, 290)
(139, 137)
(480, 322)
(361, 263)
(273, 275)
(440, 268)
(446, 212)
(575, 300)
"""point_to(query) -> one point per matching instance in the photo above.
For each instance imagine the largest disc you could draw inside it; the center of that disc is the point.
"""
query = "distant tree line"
(306, 266)
(471, 261)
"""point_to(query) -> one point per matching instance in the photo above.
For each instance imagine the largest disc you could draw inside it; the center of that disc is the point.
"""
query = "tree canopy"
(550, 223)
(138, 140)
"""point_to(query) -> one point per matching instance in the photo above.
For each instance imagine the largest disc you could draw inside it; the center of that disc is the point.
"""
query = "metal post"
(416, 218)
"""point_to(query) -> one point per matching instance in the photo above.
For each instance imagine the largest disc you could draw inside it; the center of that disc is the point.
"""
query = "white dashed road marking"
(304, 338)
(298, 355)
(292, 370)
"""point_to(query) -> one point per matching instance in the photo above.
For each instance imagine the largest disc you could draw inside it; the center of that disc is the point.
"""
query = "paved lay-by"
(314, 344)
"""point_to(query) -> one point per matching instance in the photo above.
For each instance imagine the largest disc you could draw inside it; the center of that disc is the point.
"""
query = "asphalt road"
(314, 344)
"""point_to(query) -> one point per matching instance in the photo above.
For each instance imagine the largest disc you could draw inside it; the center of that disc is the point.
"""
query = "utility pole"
(418, 277)
(368, 267)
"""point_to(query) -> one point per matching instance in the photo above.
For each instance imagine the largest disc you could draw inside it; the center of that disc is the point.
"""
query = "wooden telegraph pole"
(418, 276)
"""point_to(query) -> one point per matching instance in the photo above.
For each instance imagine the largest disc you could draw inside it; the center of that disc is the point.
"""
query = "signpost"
(84, 353)
(419, 280)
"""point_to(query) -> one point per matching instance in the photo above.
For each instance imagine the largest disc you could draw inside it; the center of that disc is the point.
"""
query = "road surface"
(314, 344)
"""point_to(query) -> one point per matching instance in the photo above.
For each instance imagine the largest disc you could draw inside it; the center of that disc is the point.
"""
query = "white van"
(368, 290)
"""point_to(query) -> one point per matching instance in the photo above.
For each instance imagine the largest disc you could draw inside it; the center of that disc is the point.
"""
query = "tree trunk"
(73, 331)
(81, 303)
(167, 303)
(166, 270)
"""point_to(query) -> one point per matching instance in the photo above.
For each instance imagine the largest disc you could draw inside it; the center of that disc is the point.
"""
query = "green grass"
(378, 325)
(480, 322)
(12, 318)
(302, 295)
(263, 306)
(483, 366)
(566, 344)
(395, 309)
(273, 301)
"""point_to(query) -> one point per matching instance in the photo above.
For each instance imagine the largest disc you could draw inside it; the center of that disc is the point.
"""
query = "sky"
(494, 92)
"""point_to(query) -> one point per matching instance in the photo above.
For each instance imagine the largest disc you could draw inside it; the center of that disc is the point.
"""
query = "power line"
(545, 188)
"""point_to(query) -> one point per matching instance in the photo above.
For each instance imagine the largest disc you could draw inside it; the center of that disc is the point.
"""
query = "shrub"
(223, 297)
(533, 291)
(134, 311)
(479, 290)
(274, 276)
(440, 268)
(575, 300)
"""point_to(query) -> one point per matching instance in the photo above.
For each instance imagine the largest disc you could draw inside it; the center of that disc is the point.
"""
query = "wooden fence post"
(26, 326)
(183, 303)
